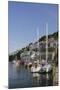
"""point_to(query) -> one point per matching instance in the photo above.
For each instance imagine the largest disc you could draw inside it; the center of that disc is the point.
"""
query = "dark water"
(21, 78)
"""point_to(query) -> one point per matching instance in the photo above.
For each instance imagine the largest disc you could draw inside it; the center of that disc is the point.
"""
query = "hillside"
(54, 35)
(12, 56)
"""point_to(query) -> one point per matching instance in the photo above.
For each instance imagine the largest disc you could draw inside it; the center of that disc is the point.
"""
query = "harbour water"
(20, 77)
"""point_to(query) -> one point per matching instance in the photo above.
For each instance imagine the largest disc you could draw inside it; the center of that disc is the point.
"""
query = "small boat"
(36, 67)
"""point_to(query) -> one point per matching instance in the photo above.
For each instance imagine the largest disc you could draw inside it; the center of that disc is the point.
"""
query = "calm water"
(22, 78)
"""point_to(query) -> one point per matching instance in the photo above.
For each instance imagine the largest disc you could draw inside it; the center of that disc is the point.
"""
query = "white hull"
(46, 68)
(41, 69)
(35, 69)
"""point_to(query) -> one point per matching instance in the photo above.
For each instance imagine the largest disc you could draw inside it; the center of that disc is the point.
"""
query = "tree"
(27, 48)
(18, 55)
(11, 57)
(42, 38)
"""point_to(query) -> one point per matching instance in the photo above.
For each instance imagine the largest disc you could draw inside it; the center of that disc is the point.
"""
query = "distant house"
(33, 46)
(42, 44)
(25, 55)
(52, 43)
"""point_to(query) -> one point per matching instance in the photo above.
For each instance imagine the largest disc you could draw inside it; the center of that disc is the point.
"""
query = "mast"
(38, 42)
(46, 42)
(37, 37)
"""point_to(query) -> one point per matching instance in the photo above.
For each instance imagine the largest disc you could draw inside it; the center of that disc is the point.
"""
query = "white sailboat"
(46, 67)
(36, 67)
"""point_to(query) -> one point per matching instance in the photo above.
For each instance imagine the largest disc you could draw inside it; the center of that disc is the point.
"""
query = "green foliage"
(22, 50)
(11, 57)
(54, 35)
(18, 55)
(42, 38)
(30, 44)
(27, 48)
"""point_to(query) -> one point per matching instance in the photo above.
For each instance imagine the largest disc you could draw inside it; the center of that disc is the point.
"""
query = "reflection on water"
(19, 77)
(36, 75)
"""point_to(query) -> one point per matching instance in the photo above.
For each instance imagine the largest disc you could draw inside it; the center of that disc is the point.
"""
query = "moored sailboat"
(36, 67)
(46, 67)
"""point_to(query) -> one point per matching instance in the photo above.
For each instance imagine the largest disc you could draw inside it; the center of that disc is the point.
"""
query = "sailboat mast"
(38, 36)
(46, 42)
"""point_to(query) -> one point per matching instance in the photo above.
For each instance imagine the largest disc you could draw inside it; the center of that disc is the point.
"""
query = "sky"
(25, 18)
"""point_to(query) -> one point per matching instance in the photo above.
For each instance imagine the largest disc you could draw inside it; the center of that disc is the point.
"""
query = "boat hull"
(44, 72)
(35, 70)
